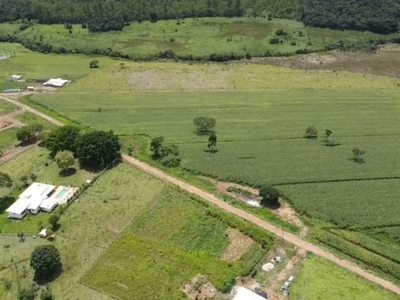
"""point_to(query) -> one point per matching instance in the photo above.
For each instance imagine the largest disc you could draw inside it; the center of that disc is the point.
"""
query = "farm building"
(242, 293)
(56, 82)
(30, 200)
(15, 77)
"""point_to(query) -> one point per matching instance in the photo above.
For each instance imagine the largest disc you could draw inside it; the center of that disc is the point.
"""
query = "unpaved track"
(291, 238)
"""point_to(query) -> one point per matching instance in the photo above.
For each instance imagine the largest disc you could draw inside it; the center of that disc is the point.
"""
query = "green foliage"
(64, 159)
(311, 133)
(269, 196)
(358, 155)
(29, 133)
(26, 294)
(167, 154)
(373, 15)
(45, 260)
(204, 125)
(63, 138)
(373, 260)
(53, 221)
(46, 295)
(212, 142)
(94, 64)
(98, 149)
(156, 146)
(5, 180)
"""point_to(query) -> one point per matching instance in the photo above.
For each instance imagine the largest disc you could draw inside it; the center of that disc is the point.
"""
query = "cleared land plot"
(6, 107)
(321, 279)
(197, 37)
(174, 218)
(138, 268)
(370, 203)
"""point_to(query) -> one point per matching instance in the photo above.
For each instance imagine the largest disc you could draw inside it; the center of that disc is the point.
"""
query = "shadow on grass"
(357, 160)
(273, 206)
(67, 172)
(5, 202)
(204, 133)
(91, 168)
(43, 279)
(211, 150)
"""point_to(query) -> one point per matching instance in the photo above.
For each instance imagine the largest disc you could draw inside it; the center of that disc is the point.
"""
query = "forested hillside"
(114, 14)
(380, 16)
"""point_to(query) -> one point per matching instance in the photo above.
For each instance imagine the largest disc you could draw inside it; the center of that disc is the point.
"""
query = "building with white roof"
(30, 200)
(242, 293)
(56, 82)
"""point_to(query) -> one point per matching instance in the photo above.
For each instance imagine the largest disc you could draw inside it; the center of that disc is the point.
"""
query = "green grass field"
(321, 279)
(7, 138)
(6, 107)
(197, 37)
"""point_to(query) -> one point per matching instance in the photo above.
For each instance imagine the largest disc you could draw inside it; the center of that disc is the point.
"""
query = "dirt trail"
(7, 121)
(291, 238)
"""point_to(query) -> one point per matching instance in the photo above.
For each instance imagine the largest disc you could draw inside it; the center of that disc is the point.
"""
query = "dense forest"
(103, 15)
(380, 16)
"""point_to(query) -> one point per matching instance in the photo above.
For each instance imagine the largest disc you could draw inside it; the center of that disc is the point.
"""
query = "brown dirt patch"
(208, 79)
(239, 244)
(199, 288)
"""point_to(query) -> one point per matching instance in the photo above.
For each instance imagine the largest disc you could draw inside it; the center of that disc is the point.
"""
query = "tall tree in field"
(63, 138)
(358, 155)
(212, 142)
(98, 149)
(46, 261)
(156, 146)
(64, 160)
(311, 133)
(29, 133)
(204, 125)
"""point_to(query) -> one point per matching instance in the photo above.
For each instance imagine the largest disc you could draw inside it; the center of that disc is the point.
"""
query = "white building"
(56, 82)
(242, 293)
(30, 200)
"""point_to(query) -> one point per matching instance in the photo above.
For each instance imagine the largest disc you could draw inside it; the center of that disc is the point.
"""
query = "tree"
(204, 125)
(64, 160)
(156, 145)
(94, 64)
(63, 138)
(29, 133)
(328, 133)
(53, 221)
(46, 295)
(357, 155)
(269, 196)
(212, 142)
(5, 180)
(311, 133)
(46, 261)
(98, 149)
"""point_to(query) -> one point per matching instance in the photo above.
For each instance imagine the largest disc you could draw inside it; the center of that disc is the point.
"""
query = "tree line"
(380, 16)
(115, 14)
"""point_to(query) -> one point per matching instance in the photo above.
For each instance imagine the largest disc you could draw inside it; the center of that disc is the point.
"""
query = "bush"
(274, 41)
(270, 196)
(26, 294)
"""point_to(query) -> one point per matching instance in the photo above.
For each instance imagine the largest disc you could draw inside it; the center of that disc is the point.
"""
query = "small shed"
(15, 77)
(43, 233)
(56, 82)
(242, 293)
(30, 88)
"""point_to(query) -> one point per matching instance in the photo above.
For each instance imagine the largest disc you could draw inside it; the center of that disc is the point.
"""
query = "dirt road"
(291, 238)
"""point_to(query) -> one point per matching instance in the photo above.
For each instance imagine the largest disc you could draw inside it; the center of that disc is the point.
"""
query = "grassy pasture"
(29, 119)
(153, 270)
(321, 279)
(173, 218)
(370, 203)
(6, 107)
(198, 37)
(7, 138)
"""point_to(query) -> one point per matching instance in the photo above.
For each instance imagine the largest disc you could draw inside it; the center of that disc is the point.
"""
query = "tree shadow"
(43, 279)
(91, 168)
(67, 172)
(273, 206)
(203, 133)
(5, 202)
(357, 160)
(211, 150)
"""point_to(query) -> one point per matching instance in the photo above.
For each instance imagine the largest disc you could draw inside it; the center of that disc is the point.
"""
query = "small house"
(242, 293)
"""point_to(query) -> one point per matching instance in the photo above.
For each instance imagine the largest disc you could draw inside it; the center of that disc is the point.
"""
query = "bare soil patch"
(285, 212)
(239, 244)
(208, 79)
(199, 288)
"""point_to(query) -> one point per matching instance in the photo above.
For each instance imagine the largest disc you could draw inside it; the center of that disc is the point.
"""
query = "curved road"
(291, 238)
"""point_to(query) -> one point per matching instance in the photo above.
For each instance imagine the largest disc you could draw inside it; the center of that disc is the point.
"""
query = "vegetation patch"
(147, 265)
(312, 281)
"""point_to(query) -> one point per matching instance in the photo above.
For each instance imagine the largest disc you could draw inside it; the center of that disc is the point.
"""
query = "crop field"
(375, 202)
(321, 279)
(197, 37)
